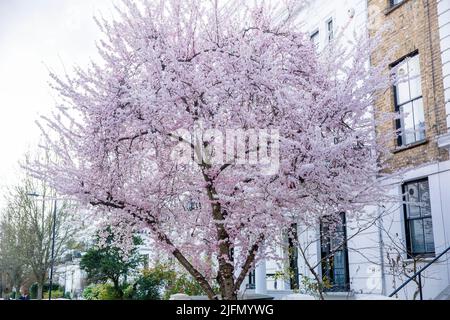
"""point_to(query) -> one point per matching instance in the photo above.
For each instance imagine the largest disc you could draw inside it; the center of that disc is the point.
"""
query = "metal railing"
(419, 274)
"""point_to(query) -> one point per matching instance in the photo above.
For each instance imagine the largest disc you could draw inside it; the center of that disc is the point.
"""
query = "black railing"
(419, 275)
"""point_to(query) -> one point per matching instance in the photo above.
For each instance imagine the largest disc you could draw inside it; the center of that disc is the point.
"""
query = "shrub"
(128, 292)
(34, 291)
(10, 296)
(184, 284)
(104, 291)
(89, 293)
(55, 287)
(56, 294)
(147, 287)
(107, 292)
(172, 282)
(157, 283)
(312, 287)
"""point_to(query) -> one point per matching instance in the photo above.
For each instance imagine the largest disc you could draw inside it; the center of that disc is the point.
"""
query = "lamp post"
(52, 263)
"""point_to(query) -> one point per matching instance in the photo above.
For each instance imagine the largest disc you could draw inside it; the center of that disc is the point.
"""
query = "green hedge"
(56, 294)
(103, 291)
(55, 287)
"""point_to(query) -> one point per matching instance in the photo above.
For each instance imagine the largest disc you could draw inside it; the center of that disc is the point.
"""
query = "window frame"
(409, 248)
(326, 241)
(398, 122)
(330, 33)
(312, 35)
(251, 285)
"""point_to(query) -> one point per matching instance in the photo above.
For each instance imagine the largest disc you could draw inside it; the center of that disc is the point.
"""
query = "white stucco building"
(393, 241)
(69, 275)
(73, 279)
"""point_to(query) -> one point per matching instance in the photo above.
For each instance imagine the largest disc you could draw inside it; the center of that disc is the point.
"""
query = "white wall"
(315, 17)
(368, 265)
(348, 16)
(364, 255)
(71, 277)
(437, 277)
(444, 33)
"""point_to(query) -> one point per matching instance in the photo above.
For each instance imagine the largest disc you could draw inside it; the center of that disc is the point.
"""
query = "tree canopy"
(213, 128)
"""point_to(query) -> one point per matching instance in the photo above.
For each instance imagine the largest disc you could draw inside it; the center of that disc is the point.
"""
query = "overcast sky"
(36, 35)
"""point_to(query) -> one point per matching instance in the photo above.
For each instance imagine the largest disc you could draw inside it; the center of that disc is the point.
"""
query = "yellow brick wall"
(410, 31)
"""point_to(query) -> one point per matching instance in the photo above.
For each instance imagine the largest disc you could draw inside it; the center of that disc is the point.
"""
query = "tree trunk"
(228, 291)
(117, 288)
(40, 290)
(225, 275)
(225, 278)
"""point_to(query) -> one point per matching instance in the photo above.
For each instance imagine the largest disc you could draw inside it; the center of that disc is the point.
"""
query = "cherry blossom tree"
(212, 128)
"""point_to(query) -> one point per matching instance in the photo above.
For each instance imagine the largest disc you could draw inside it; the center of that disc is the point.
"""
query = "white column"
(260, 278)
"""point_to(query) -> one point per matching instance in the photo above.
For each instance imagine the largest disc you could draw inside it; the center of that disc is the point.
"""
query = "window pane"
(412, 199)
(402, 88)
(418, 217)
(419, 119)
(330, 28)
(417, 236)
(336, 241)
(429, 239)
(414, 66)
(409, 135)
(395, 2)
(339, 258)
(414, 77)
(402, 92)
(408, 93)
(315, 39)
(415, 87)
(424, 192)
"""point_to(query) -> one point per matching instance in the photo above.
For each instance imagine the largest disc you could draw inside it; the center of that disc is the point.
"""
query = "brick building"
(414, 33)
(421, 227)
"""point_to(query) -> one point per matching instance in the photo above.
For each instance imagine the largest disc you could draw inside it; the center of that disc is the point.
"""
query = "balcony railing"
(418, 275)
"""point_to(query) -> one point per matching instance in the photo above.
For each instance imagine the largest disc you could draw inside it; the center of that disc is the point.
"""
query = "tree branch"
(249, 262)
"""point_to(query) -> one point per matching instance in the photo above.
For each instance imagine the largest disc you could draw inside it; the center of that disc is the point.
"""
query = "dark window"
(393, 3)
(409, 102)
(251, 280)
(192, 205)
(330, 30)
(334, 253)
(293, 257)
(315, 39)
(418, 222)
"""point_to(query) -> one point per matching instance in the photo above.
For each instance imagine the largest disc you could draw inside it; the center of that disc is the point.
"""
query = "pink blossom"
(167, 65)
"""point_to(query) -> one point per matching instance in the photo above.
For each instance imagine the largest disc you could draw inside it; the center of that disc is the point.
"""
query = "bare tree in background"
(29, 222)
(12, 269)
